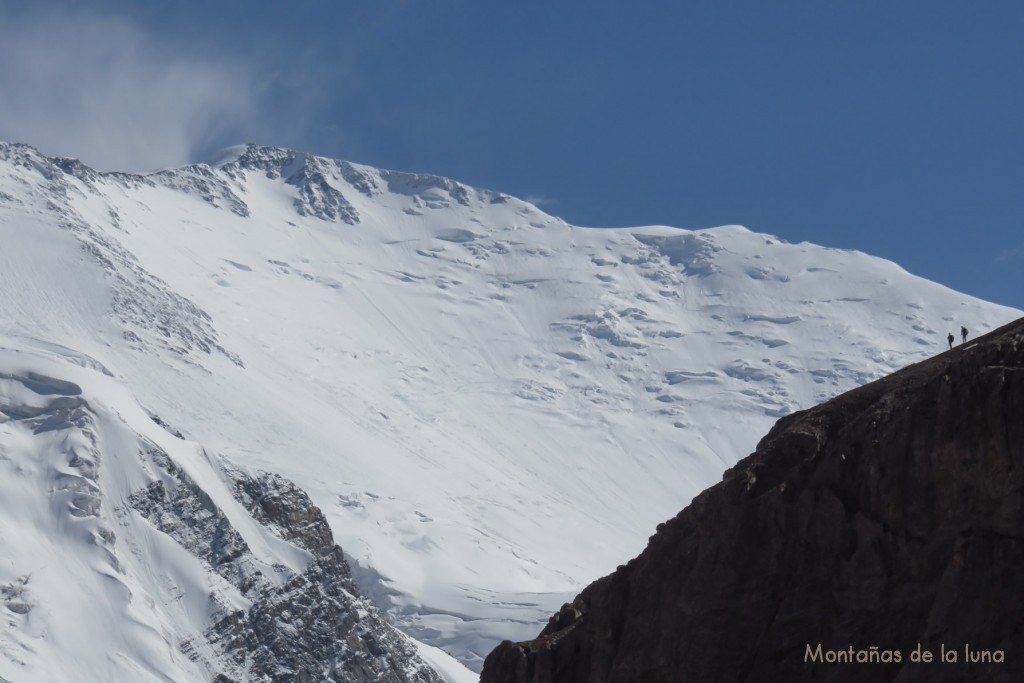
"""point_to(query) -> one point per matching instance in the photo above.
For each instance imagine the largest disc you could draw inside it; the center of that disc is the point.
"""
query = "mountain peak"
(446, 369)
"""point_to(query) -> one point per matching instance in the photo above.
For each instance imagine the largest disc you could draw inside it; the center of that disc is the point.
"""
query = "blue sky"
(896, 128)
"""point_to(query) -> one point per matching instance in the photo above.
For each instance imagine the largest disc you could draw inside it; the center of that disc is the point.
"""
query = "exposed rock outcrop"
(300, 627)
(891, 517)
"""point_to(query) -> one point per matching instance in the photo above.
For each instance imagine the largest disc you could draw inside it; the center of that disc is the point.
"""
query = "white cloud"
(103, 90)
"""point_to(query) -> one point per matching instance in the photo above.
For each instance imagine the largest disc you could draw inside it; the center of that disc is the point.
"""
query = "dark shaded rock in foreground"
(890, 516)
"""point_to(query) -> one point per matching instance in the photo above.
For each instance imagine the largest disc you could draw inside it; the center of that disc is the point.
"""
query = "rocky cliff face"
(888, 520)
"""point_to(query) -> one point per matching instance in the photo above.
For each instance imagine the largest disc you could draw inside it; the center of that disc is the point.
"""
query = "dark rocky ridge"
(889, 516)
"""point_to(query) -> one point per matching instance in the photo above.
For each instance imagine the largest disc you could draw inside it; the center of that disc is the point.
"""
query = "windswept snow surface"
(492, 407)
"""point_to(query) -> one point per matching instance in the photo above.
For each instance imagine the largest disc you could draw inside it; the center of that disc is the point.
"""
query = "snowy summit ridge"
(490, 407)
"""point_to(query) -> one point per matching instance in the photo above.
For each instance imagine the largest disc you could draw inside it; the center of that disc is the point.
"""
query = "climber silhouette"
(963, 333)
(950, 339)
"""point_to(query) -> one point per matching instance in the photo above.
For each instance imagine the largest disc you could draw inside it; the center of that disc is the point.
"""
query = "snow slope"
(130, 554)
(491, 407)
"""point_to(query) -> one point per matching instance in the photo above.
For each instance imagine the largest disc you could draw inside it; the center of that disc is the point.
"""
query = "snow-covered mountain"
(461, 383)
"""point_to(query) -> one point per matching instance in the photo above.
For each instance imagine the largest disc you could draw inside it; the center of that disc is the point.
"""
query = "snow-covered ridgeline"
(490, 406)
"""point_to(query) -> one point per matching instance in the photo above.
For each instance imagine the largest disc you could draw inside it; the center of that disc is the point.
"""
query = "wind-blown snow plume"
(103, 89)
